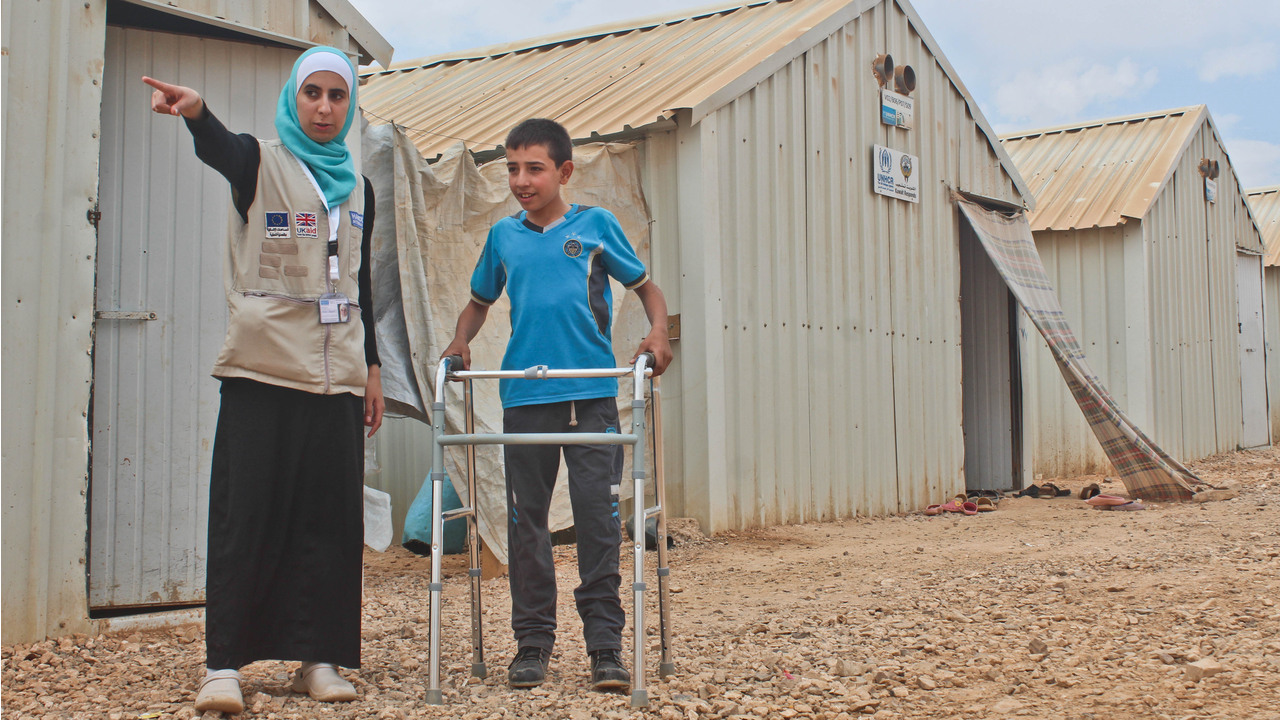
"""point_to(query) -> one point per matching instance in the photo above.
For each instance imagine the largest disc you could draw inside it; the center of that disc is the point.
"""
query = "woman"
(286, 498)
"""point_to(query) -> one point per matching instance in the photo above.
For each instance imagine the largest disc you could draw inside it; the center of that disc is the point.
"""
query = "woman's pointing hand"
(174, 99)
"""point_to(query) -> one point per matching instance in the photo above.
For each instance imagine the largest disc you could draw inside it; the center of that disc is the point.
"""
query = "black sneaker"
(528, 668)
(607, 672)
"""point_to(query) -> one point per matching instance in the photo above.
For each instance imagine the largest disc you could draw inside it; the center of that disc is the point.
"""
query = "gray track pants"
(594, 474)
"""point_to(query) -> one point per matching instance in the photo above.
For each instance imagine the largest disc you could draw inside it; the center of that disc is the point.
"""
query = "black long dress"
(286, 517)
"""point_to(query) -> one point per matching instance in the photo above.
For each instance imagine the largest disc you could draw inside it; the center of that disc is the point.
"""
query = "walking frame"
(636, 438)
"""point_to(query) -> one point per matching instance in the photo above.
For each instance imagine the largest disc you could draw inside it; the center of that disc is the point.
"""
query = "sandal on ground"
(969, 508)
(220, 691)
(1029, 491)
(952, 507)
(1054, 490)
(1106, 500)
(1090, 490)
(985, 504)
(1135, 505)
(933, 510)
(323, 683)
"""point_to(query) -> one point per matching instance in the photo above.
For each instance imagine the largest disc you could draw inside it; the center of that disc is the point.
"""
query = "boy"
(552, 259)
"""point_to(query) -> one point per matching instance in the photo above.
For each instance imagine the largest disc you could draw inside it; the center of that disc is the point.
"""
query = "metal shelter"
(1145, 233)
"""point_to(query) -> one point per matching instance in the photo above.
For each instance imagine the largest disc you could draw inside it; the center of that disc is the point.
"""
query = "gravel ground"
(1043, 609)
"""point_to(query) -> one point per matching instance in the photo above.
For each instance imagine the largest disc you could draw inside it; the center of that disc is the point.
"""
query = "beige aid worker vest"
(276, 268)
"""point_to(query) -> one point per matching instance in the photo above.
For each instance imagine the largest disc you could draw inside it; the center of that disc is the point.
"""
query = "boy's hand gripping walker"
(640, 371)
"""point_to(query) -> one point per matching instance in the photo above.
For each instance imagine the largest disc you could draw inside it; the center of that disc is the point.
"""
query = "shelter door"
(992, 383)
(1253, 362)
(161, 312)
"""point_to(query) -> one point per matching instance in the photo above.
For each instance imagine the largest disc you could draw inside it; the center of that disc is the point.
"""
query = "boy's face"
(534, 178)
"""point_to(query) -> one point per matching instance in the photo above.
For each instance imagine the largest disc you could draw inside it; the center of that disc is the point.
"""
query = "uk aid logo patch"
(277, 225)
(305, 224)
(357, 220)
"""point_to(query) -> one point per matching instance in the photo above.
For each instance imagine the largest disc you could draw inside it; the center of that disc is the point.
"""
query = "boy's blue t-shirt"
(561, 305)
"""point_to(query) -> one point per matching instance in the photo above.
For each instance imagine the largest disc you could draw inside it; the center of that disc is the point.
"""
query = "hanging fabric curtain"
(1147, 471)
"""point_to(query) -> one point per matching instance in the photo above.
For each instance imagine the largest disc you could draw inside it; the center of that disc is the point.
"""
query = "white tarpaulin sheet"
(431, 224)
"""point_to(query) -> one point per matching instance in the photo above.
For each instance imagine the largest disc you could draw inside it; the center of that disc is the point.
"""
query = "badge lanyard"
(334, 306)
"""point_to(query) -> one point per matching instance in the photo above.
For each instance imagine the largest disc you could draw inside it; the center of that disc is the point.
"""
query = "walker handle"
(649, 359)
(455, 363)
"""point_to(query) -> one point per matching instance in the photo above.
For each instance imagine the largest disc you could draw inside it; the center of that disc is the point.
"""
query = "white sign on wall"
(896, 110)
(1211, 190)
(895, 174)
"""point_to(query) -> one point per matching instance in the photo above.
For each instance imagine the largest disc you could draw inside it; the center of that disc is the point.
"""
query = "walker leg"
(667, 667)
(434, 695)
(473, 542)
(639, 691)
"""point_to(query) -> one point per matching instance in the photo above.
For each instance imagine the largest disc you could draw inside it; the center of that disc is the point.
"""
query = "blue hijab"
(330, 162)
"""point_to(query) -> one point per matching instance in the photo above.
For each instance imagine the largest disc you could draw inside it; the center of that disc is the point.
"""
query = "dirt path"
(1043, 609)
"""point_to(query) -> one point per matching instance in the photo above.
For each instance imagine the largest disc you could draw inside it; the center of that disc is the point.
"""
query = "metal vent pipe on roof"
(882, 68)
(904, 79)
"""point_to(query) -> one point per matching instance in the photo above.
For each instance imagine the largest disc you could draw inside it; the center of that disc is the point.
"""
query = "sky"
(1029, 63)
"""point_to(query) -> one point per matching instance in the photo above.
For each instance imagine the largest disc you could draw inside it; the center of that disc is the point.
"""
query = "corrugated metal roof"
(289, 22)
(1095, 174)
(1092, 175)
(597, 81)
(609, 79)
(1265, 202)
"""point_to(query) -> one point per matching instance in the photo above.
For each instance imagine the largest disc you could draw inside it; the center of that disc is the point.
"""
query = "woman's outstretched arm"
(235, 157)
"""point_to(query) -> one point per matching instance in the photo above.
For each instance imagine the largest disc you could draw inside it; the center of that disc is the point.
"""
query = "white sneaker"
(323, 683)
(220, 690)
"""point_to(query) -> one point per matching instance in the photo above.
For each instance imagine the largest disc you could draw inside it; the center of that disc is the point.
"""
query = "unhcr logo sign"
(895, 174)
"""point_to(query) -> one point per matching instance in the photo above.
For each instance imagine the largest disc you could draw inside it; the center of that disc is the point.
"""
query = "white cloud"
(1255, 58)
(1256, 162)
(1054, 30)
(1226, 121)
(1062, 92)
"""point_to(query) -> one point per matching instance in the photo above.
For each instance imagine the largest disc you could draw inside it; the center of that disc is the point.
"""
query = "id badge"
(334, 308)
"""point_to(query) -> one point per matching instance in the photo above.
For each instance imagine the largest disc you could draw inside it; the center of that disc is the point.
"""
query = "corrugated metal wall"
(658, 164)
(1087, 268)
(850, 365)
(161, 247)
(1157, 321)
(52, 72)
(989, 418)
(404, 455)
(764, 265)
(1255, 428)
(841, 307)
(1271, 315)
(1196, 369)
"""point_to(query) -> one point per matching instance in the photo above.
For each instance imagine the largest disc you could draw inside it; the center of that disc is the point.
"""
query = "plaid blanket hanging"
(1148, 472)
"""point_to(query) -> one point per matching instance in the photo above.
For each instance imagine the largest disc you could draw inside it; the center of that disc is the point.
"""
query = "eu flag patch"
(277, 225)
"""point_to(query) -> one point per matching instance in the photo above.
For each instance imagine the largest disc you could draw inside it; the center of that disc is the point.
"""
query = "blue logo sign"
(572, 247)
(886, 160)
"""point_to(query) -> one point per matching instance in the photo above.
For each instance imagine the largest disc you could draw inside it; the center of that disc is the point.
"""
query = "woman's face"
(323, 101)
